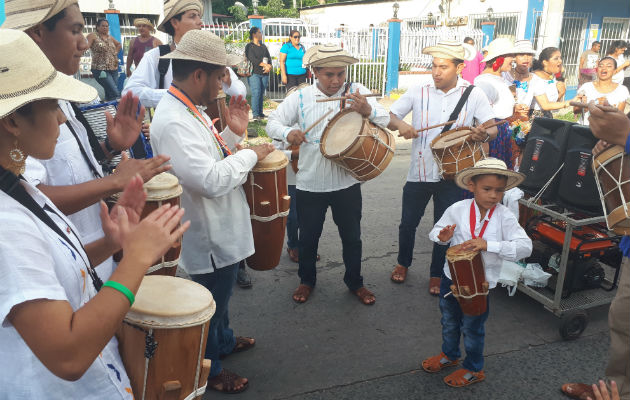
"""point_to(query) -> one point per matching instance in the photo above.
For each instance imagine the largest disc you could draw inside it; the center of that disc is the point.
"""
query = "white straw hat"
(498, 47)
(450, 49)
(143, 21)
(524, 46)
(27, 75)
(328, 55)
(203, 46)
(24, 14)
(489, 166)
(174, 7)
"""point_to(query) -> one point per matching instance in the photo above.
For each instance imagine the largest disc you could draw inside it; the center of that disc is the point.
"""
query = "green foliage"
(276, 9)
(237, 13)
(569, 116)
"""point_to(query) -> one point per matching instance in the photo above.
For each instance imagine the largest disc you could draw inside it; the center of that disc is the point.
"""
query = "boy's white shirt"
(506, 239)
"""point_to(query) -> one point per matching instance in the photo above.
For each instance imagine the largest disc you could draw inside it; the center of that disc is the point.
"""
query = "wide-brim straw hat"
(524, 46)
(27, 75)
(498, 47)
(174, 7)
(143, 21)
(489, 166)
(203, 46)
(450, 49)
(24, 14)
(328, 55)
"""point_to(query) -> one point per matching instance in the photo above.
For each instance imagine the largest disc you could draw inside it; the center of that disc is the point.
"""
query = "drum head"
(169, 302)
(341, 132)
(275, 161)
(457, 253)
(448, 139)
(163, 186)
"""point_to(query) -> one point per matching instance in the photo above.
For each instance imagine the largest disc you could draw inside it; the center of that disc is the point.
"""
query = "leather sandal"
(579, 391)
(399, 274)
(302, 293)
(438, 363)
(293, 254)
(226, 382)
(463, 377)
(365, 296)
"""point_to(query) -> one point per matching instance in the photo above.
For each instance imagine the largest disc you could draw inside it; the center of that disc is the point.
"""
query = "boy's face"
(488, 190)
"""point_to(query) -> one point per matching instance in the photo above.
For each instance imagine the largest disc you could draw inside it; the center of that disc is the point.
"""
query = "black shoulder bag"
(458, 107)
(164, 63)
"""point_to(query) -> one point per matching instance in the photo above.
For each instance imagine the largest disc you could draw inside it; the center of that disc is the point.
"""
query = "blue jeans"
(109, 82)
(416, 196)
(258, 85)
(292, 220)
(454, 323)
(346, 212)
(221, 339)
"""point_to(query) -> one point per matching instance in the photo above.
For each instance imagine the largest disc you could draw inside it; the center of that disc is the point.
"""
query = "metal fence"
(614, 29)
(506, 24)
(572, 37)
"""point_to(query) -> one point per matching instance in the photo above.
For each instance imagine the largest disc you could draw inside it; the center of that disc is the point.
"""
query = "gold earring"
(18, 160)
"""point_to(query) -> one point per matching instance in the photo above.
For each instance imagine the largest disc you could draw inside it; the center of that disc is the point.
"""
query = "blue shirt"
(624, 245)
(293, 62)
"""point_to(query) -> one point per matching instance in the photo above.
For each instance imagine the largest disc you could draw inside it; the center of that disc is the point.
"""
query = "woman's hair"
(615, 45)
(293, 31)
(253, 30)
(100, 21)
(609, 58)
(168, 27)
(545, 55)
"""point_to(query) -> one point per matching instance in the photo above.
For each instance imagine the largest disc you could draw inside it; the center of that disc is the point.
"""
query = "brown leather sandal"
(365, 296)
(399, 274)
(579, 391)
(302, 293)
(463, 377)
(242, 343)
(438, 363)
(226, 382)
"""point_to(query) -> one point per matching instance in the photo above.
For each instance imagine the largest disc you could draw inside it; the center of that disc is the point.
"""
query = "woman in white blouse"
(57, 334)
(616, 50)
(603, 89)
(543, 83)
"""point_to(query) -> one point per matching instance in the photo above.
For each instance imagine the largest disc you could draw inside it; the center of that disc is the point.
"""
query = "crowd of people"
(64, 292)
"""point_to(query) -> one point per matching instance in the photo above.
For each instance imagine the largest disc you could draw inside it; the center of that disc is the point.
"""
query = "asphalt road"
(333, 347)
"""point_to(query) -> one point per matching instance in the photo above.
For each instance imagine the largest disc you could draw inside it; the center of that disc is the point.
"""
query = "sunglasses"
(296, 37)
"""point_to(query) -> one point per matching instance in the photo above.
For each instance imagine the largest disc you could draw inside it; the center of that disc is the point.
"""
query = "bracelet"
(122, 289)
(109, 147)
(487, 138)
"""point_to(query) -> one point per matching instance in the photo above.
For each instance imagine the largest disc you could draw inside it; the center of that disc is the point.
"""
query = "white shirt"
(617, 96)
(498, 93)
(541, 86)
(317, 173)
(524, 93)
(506, 239)
(213, 196)
(38, 264)
(431, 106)
(619, 76)
(284, 147)
(145, 80)
(67, 167)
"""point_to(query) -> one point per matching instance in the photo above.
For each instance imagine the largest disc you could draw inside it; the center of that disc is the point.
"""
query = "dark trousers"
(416, 196)
(292, 220)
(109, 81)
(295, 80)
(346, 207)
(221, 339)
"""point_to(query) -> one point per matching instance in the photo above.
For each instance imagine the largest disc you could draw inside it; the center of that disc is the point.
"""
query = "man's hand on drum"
(147, 169)
(122, 130)
(359, 104)
(478, 244)
(296, 137)
(481, 134)
(237, 115)
(262, 150)
(599, 147)
(404, 129)
(611, 126)
(446, 234)
(132, 200)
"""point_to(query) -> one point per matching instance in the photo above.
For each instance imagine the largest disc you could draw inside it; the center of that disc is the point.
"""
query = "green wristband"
(122, 289)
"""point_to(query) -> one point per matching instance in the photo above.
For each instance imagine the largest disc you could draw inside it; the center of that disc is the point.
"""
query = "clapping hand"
(446, 234)
(132, 200)
(237, 115)
(123, 129)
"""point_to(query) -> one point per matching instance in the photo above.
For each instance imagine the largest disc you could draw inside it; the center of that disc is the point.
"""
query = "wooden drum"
(162, 340)
(357, 145)
(469, 280)
(612, 172)
(455, 151)
(267, 195)
(161, 189)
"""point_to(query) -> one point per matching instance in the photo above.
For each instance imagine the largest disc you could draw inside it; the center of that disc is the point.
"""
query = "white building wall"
(153, 7)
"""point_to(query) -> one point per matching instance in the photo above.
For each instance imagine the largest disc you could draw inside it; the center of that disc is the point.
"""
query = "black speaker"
(543, 155)
(577, 190)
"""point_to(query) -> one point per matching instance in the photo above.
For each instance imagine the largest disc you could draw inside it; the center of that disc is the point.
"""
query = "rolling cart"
(571, 309)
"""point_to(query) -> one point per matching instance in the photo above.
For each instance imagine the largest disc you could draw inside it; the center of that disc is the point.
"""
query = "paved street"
(333, 347)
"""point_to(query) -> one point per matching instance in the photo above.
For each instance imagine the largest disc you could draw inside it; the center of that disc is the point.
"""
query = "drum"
(216, 111)
(162, 340)
(357, 145)
(469, 280)
(95, 116)
(455, 151)
(161, 189)
(267, 195)
(612, 173)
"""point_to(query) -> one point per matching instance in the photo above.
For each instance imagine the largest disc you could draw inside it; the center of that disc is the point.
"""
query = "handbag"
(244, 67)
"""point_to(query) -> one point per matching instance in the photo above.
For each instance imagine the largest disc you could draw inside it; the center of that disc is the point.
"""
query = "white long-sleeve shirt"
(317, 173)
(213, 196)
(145, 80)
(506, 239)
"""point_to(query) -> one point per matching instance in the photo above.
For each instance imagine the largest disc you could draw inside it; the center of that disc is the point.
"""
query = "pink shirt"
(473, 68)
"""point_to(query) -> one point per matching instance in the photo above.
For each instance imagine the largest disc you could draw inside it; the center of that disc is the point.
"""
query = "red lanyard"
(473, 220)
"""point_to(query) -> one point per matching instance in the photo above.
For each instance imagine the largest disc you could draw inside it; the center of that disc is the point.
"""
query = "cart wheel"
(573, 324)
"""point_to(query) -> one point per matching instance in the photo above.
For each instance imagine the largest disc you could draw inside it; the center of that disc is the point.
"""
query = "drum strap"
(473, 220)
(95, 145)
(342, 104)
(458, 107)
(163, 64)
(9, 183)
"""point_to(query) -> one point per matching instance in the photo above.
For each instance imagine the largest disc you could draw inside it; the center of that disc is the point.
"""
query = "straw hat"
(203, 46)
(328, 55)
(143, 21)
(174, 7)
(24, 14)
(498, 47)
(487, 166)
(524, 47)
(450, 49)
(27, 75)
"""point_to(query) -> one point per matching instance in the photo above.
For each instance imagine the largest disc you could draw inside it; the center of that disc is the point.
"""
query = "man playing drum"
(432, 103)
(212, 177)
(73, 178)
(320, 182)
